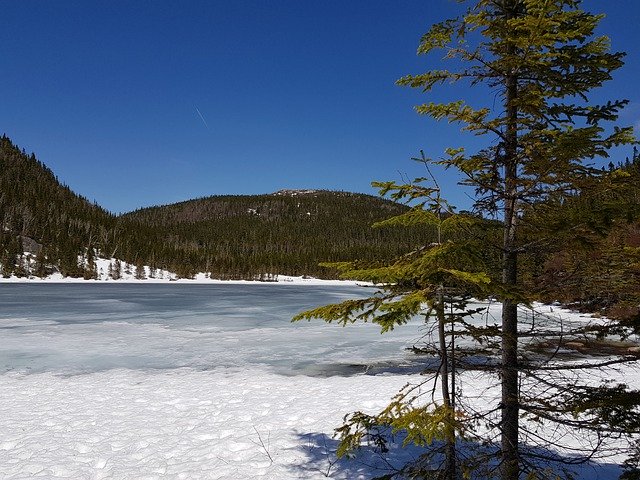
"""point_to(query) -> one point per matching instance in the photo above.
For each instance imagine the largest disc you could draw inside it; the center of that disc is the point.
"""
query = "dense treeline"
(41, 216)
(593, 264)
(240, 237)
(289, 232)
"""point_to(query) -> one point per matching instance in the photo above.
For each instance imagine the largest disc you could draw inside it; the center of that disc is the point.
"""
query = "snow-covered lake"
(148, 381)
(183, 381)
(71, 328)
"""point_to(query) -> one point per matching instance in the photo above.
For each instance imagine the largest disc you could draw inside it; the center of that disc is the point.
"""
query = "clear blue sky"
(293, 93)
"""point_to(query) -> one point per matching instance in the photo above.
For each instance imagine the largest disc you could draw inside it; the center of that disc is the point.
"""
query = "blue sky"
(293, 94)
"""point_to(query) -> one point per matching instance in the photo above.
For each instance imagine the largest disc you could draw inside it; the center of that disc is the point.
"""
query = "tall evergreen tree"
(140, 273)
(543, 60)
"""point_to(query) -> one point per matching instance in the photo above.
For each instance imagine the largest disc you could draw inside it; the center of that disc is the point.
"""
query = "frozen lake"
(172, 381)
(122, 381)
(80, 328)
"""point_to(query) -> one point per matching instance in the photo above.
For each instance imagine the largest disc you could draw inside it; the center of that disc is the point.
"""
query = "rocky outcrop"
(29, 245)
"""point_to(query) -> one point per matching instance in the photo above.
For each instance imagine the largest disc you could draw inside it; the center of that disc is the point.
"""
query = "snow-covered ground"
(219, 424)
(127, 274)
(133, 381)
(199, 278)
(227, 424)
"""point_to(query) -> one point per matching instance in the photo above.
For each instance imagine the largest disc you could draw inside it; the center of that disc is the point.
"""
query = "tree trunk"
(509, 371)
(450, 437)
(510, 405)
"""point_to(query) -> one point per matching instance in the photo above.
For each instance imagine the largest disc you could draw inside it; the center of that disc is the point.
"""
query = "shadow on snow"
(369, 463)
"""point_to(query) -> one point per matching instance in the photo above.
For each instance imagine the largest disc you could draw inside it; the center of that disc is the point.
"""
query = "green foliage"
(422, 426)
(423, 281)
(539, 61)
(412, 280)
(35, 205)
(230, 237)
(550, 52)
(288, 233)
(594, 264)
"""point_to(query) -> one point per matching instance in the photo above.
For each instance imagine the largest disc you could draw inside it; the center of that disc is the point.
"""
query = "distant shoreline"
(200, 279)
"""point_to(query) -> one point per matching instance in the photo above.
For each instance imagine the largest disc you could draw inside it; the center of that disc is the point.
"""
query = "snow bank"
(128, 275)
(218, 424)
(199, 279)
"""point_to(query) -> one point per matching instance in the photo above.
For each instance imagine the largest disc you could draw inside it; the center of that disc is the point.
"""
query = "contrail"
(203, 120)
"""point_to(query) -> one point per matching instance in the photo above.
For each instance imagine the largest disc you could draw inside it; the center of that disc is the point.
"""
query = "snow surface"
(160, 276)
(185, 424)
(223, 424)
(216, 384)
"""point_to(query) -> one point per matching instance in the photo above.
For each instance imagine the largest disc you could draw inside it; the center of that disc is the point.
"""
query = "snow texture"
(223, 424)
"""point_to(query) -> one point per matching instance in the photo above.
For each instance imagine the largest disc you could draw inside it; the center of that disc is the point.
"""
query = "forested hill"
(283, 205)
(40, 215)
(247, 237)
(289, 231)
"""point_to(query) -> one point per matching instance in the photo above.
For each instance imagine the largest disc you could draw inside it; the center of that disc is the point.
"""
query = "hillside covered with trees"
(593, 262)
(228, 237)
(288, 232)
(41, 216)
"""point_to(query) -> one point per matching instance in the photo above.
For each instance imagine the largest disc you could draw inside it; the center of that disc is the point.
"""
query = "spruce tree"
(40, 268)
(538, 61)
(90, 267)
(115, 269)
(436, 281)
(140, 273)
(543, 60)
(11, 256)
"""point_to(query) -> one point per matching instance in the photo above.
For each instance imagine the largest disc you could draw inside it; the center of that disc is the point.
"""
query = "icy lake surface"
(85, 328)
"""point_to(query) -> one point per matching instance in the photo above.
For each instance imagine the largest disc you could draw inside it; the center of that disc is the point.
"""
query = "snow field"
(162, 276)
(220, 424)
(183, 424)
